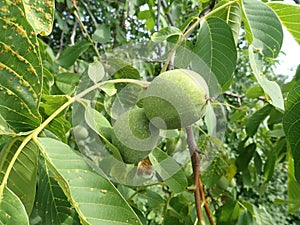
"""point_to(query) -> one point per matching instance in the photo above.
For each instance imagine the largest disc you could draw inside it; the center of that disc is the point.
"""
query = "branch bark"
(199, 190)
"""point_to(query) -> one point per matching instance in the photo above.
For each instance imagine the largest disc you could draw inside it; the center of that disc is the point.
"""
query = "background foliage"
(250, 135)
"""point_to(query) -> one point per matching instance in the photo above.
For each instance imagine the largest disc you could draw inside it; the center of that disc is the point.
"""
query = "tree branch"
(199, 191)
(194, 153)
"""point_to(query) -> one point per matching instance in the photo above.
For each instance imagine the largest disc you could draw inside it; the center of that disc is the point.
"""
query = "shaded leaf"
(256, 119)
(169, 170)
(12, 210)
(85, 188)
(70, 54)
(217, 54)
(20, 69)
(291, 125)
(245, 156)
(22, 177)
(289, 16)
(40, 15)
(66, 82)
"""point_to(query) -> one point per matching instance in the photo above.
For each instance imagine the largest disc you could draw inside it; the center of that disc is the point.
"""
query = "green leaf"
(254, 92)
(154, 199)
(217, 54)
(289, 16)
(20, 69)
(96, 71)
(109, 89)
(22, 177)
(40, 15)
(70, 54)
(93, 196)
(293, 187)
(264, 31)
(98, 123)
(291, 126)
(256, 119)
(12, 210)
(51, 203)
(228, 212)
(271, 88)
(50, 103)
(265, 36)
(102, 34)
(245, 156)
(232, 14)
(169, 170)
(245, 218)
(262, 216)
(184, 54)
(125, 100)
(66, 82)
(121, 69)
(164, 33)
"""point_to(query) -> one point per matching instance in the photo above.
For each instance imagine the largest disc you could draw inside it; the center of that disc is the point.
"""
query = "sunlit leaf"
(232, 14)
(96, 71)
(20, 68)
(264, 31)
(289, 16)
(40, 15)
(22, 177)
(12, 210)
(51, 203)
(217, 54)
(271, 88)
(95, 199)
(165, 33)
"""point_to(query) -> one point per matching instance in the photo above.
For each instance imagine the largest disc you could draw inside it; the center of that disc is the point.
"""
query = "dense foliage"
(70, 69)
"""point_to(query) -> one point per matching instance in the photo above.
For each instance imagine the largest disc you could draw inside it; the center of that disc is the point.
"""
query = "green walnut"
(134, 135)
(176, 99)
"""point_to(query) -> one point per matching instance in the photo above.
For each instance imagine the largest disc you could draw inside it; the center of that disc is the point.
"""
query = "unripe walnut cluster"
(174, 99)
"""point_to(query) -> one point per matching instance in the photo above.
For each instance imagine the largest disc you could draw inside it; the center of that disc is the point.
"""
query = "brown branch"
(165, 6)
(194, 153)
(199, 190)
(206, 206)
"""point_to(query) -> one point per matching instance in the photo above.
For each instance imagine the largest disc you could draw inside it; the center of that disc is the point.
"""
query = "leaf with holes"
(217, 54)
(84, 188)
(22, 177)
(40, 15)
(20, 69)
